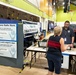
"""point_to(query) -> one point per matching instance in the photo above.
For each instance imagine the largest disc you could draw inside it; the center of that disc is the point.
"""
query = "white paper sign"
(8, 32)
(8, 49)
(8, 40)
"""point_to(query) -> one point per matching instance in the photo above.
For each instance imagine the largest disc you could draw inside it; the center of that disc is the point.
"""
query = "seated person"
(41, 36)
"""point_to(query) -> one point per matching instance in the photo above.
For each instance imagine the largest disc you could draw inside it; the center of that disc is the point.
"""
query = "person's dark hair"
(67, 21)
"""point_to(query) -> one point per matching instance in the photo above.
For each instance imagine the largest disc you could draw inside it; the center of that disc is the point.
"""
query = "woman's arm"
(63, 47)
(47, 44)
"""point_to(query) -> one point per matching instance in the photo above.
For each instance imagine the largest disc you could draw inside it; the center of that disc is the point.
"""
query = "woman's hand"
(71, 45)
(66, 46)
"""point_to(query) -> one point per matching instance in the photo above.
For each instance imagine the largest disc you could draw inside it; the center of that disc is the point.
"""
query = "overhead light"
(63, 3)
(54, 3)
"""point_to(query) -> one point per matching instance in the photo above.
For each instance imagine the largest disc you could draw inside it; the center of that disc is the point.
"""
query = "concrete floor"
(4, 70)
(37, 69)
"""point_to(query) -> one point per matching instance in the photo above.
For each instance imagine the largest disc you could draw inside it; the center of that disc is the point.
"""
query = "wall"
(14, 14)
(61, 24)
(46, 6)
(61, 16)
(23, 4)
(35, 2)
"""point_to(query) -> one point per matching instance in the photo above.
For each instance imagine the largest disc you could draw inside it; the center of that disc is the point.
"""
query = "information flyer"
(8, 40)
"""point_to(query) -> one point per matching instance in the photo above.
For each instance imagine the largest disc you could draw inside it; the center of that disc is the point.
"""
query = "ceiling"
(73, 2)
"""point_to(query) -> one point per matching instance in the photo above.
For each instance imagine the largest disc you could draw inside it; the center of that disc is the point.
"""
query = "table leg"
(32, 57)
(35, 56)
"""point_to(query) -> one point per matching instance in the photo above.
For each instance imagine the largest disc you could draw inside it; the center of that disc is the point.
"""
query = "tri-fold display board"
(11, 43)
(8, 39)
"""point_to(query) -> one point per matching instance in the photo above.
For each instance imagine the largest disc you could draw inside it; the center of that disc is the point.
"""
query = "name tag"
(68, 31)
(65, 39)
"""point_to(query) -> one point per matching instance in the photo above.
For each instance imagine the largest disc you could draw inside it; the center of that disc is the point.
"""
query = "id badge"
(65, 39)
(68, 31)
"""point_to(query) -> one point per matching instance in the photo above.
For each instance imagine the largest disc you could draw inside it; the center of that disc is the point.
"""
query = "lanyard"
(65, 33)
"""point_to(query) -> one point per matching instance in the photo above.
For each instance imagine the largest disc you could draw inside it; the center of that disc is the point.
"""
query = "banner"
(30, 27)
